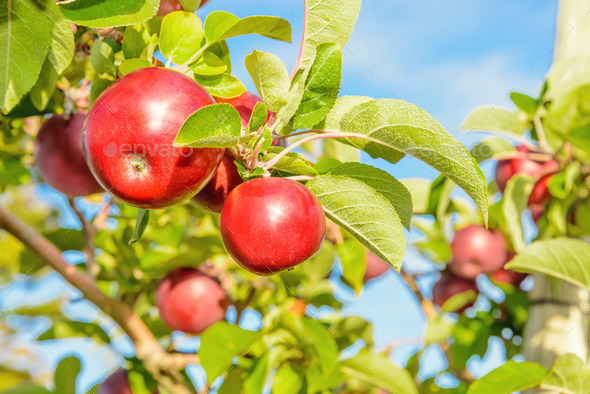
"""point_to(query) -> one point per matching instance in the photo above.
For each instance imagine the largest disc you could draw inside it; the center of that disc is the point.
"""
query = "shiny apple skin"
(116, 383)
(272, 224)
(506, 169)
(59, 156)
(375, 266)
(450, 285)
(129, 133)
(168, 6)
(540, 194)
(190, 301)
(226, 179)
(477, 250)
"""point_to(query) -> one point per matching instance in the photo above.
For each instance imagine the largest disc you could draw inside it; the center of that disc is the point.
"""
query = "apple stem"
(89, 231)
(326, 134)
(303, 36)
(301, 178)
(524, 155)
(540, 133)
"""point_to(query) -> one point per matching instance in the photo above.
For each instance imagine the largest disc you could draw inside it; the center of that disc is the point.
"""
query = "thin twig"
(540, 133)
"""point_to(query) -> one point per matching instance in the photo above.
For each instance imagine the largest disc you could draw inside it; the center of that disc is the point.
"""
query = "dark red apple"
(168, 6)
(506, 276)
(190, 301)
(116, 383)
(506, 169)
(375, 266)
(60, 157)
(537, 211)
(271, 224)
(540, 194)
(450, 285)
(226, 179)
(129, 133)
(477, 250)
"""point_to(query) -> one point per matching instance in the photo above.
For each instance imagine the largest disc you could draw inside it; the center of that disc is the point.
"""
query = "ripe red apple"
(168, 6)
(537, 212)
(375, 266)
(477, 250)
(271, 224)
(450, 285)
(60, 157)
(226, 179)
(506, 169)
(116, 383)
(506, 276)
(190, 301)
(540, 194)
(129, 133)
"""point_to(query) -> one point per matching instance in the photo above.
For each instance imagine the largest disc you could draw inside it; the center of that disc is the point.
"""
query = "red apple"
(506, 169)
(537, 211)
(540, 194)
(168, 6)
(506, 276)
(226, 179)
(190, 301)
(450, 285)
(129, 133)
(60, 157)
(117, 383)
(375, 266)
(477, 250)
(271, 224)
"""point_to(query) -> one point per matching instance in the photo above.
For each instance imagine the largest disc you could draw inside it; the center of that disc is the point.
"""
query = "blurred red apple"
(477, 250)
(168, 6)
(506, 169)
(60, 157)
(375, 266)
(450, 285)
(190, 301)
(116, 383)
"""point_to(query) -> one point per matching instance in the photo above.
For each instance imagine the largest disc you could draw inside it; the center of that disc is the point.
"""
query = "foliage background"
(448, 58)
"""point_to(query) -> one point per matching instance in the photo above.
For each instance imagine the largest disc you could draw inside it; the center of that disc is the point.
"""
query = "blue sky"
(447, 57)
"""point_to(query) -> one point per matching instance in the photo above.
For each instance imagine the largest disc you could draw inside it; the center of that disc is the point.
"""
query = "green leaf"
(222, 342)
(323, 343)
(379, 371)
(256, 376)
(286, 380)
(27, 389)
(213, 126)
(420, 190)
(148, 51)
(232, 382)
(27, 32)
(389, 187)
(224, 85)
(143, 218)
(190, 5)
(569, 374)
(61, 48)
(291, 163)
(51, 308)
(74, 329)
(327, 21)
(494, 119)
(135, 39)
(364, 213)
(221, 25)
(489, 147)
(131, 65)
(98, 87)
(258, 119)
(514, 204)
(509, 378)
(395, 126)
(109, 13)
(43, 90)
(270, 78)
(66, 374)
(102, 57)
(181, 36)
(321, 87)
(353, 258)
(525, 103)
(332, 147)
(438, 329)
(208, 64)
(221, 50)
(564, 258)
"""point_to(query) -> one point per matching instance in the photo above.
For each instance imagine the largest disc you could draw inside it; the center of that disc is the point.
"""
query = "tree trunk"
(558, 316)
